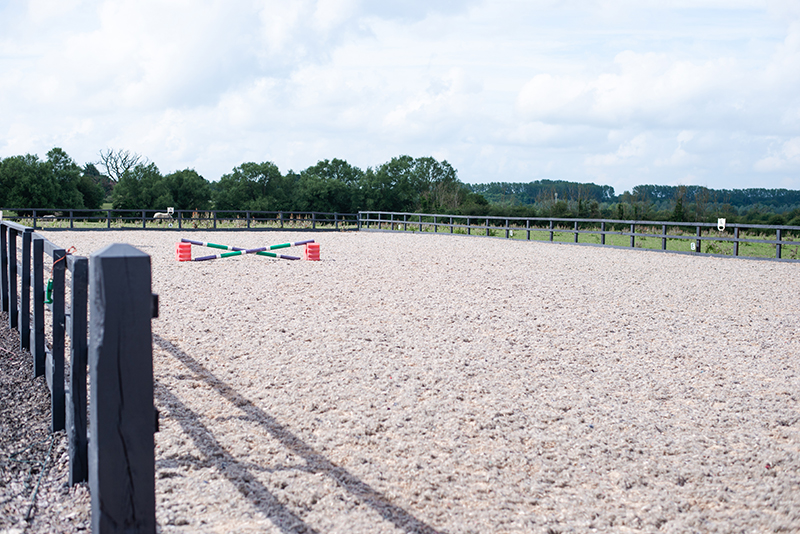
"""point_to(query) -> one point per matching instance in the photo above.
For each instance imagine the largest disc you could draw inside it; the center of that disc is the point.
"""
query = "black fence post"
(698, 242)
(76, 398)
(633, 239)
(25, 297)
(736, 241)
(121, 451)
(663, 237)
(4, 266)
(13, 310)
(38, 351)
(602, 233)
(108, 218)
(551, 230)
(54, 366)
(778, 244)
(576, 231)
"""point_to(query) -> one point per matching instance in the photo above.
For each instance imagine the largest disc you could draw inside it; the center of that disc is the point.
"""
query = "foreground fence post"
(13, 310)
(121, 449)
(76, 397)
(25, 297)
(4, 266)
(54, 361)
(38, 349)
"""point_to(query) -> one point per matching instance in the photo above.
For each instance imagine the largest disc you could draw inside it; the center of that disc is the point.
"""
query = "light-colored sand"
(419, 383)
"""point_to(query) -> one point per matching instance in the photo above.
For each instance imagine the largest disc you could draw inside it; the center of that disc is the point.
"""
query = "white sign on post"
(721, 225)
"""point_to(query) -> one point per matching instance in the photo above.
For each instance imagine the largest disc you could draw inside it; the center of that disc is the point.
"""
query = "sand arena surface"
(423, 383)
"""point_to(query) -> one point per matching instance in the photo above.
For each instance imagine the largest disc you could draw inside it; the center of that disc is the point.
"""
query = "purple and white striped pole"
(238, 251)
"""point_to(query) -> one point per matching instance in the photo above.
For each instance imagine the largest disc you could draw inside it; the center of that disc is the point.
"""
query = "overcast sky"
(616, 92)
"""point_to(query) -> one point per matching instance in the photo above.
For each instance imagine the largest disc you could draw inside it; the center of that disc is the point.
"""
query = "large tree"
(329, 186)
(26, 182)
(117, 162)
(253, 186)
(56, 183)
(66, 174)
(189, 190)
(142, 187)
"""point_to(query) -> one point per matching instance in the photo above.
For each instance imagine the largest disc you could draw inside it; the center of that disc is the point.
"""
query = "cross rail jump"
(183, 252)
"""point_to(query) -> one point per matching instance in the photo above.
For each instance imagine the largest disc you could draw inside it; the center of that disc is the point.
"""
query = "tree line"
(548, 198)
(403, 184)
(132, 182)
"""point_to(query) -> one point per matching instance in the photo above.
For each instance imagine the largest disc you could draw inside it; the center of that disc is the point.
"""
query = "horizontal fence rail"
(119, 336)
(113, 219)
(735, 239)
(717, 239)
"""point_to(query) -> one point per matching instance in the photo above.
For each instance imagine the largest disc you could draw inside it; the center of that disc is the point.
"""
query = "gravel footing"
(423, 383)
(34, 494)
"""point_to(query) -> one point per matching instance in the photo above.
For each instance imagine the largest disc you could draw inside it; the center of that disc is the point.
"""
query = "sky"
(615, 92)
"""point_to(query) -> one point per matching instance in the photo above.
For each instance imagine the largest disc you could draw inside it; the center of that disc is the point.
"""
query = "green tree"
(188, 190)
(679, 214)
(66, 175)
(253, 186)
(90, 170)
(26, 182)
(391, 187)
(438, 184)
(142, 187)
(329, 186)
(91, 192)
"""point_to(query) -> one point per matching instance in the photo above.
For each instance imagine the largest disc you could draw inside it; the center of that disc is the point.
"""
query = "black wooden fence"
(733, 234)
(699, 234)
(119, 458)
(82, 219)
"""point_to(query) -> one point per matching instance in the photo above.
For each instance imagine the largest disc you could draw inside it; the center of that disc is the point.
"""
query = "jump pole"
(238, 251)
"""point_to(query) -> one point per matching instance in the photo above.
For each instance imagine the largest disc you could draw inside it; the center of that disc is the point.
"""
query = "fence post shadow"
(316, 462)
(235, 472)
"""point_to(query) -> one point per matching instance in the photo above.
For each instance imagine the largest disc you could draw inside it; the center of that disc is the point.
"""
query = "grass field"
(676, 240)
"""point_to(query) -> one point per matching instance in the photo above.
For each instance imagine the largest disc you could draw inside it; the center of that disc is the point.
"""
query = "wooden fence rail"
(119, 459)
(84, 219)
(506, 226)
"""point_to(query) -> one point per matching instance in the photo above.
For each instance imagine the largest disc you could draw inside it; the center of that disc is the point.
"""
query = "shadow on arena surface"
(240, 475)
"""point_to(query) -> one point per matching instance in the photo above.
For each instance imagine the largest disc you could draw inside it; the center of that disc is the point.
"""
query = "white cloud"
(634, 149)
(785, 157)
(648, 89)
(504, 90)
